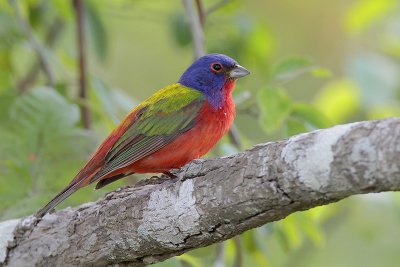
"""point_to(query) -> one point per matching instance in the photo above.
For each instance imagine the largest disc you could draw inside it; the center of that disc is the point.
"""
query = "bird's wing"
(159, 120)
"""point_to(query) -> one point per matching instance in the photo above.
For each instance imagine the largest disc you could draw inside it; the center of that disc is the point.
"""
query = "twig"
(200, 11)
(195, 28)
(234, 137)
(79, 13)
(220, 255)
(26, 28)
(52, 35)
(238, 257)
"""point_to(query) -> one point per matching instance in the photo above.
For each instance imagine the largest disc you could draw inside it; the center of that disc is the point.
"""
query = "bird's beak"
(238, 72)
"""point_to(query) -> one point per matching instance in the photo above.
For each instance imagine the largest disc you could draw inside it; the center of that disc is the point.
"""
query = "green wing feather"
(161, 119)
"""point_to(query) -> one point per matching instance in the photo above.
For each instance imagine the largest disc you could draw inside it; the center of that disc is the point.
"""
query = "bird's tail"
(66, 192)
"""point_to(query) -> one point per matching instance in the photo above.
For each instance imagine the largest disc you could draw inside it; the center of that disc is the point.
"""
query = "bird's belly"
(190, 145)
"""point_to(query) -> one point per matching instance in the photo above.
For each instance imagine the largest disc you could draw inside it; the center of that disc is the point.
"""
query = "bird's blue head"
(209, 74)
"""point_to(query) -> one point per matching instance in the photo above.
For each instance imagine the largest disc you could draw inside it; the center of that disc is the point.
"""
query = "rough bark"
(211, 200)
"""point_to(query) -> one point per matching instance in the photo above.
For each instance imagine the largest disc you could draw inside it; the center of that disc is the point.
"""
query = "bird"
(175, 125)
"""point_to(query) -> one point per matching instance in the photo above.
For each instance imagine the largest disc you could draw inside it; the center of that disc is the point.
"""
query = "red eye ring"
(216, 67)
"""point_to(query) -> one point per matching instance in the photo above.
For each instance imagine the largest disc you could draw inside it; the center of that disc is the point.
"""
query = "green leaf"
(291, 68)
(29, 110)
(97, 30)
(180, 29)
(275, 106)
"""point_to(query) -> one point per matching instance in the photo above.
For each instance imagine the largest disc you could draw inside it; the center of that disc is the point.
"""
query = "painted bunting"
(177, 124)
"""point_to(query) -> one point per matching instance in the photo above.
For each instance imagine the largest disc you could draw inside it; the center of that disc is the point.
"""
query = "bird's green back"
(171, 107)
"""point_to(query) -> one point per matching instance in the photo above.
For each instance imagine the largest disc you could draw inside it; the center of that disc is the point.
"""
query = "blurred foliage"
(314, 64)
(30, 149)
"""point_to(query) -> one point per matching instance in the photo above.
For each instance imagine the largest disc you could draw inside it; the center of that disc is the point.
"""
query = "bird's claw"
(170, 175)
(153, 180)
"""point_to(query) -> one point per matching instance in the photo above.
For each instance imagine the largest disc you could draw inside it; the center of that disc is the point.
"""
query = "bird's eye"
(216, 67)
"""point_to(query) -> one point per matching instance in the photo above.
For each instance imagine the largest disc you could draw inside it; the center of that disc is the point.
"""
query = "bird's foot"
(152, 181)
(170, 175)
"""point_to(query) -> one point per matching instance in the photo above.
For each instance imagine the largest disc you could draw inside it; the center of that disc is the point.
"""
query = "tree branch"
(200, 12)
(79, 14)
(195, 28)
(212, 199)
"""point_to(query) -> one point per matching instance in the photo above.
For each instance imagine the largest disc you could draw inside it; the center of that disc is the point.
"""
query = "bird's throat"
(229, 86)
(218, 98)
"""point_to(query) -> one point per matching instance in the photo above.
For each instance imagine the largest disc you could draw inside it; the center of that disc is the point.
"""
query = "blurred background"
(314, 64)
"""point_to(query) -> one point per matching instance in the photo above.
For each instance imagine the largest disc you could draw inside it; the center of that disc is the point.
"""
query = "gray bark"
(211, 200)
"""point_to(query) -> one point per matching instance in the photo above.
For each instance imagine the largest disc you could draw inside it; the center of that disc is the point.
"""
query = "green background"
(314, 64)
